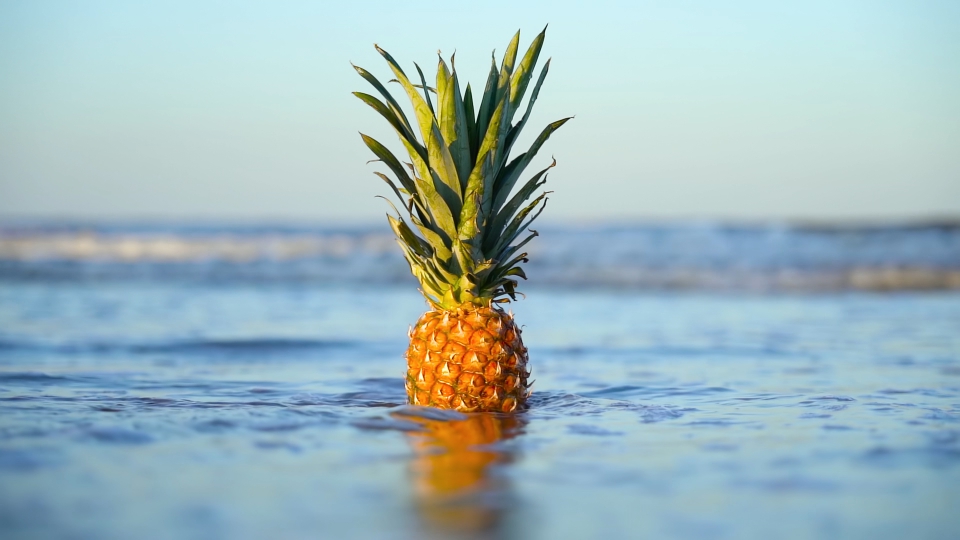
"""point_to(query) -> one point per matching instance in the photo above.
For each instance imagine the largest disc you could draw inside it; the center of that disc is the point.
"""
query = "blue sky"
(744, 110)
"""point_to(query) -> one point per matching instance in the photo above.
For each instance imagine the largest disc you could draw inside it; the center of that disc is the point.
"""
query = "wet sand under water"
(166, 410)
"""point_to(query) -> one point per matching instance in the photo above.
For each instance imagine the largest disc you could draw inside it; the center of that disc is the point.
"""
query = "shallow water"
(177, 409)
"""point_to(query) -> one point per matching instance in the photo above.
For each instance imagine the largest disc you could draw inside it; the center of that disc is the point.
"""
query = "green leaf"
(484, 269)
(463, 256)
(470, 229)
(503, 81)
(390, 183)
(381, 108)
(452, 128)
(488, 103)
(445, 113)
(386, 95)
(500, 220)
(517, 225)
(467, 286)
(500, 275)
(420, 86)
(409, 206)
(506, 182)
(450, 300)
(426, 183)
(471, 123)
(425, 268)
(394, 121)
(391, 161)
(521, 76)
(483, 175)
(515, 130)
(509, 251)
(423, 110)
(510, 288)
(440, 247)
(425, 88)
(509, 58)
(443, 274)
(491, 137)
(442, 214)
(503, 129)
(441, 163)
(432, 288)
(516, 270)
(403, 232)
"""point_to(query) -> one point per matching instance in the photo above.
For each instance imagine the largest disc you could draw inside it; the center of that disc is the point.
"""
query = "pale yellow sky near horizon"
(746, 111)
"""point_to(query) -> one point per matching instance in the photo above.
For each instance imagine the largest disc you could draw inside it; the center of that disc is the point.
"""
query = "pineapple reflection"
(456, 456)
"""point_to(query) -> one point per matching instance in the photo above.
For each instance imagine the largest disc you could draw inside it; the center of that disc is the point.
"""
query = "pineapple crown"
(456, 188)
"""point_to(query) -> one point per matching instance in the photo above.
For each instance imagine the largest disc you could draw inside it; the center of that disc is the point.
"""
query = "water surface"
(185, 408)
(692, 381)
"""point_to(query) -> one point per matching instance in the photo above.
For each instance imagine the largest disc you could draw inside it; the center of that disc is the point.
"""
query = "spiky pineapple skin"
(470, 359)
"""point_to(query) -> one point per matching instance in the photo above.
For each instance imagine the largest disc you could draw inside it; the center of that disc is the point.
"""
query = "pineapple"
(460, 235)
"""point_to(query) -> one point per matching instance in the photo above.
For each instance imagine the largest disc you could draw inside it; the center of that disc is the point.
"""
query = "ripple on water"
(558, 404)
(117, 435)
(651, 392)
(208, 348)
(28, 459)
(592, 430)
(933, 456)
(36, 377)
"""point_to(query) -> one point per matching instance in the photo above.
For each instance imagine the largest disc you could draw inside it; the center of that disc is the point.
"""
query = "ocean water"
(245, 382)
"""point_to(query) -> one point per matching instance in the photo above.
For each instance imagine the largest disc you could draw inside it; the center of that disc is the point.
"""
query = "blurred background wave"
(653, 256)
